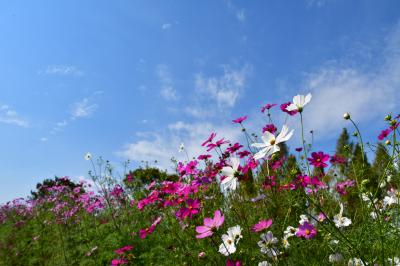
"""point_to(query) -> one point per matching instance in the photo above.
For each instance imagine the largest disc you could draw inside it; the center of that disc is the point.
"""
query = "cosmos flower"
(306, 230)
(270, 142)
(340, 220)
(267, 107)
(299, 101)
(261, 225)
(239, 120)
(318, 159)
(230, 182)
(210, 224)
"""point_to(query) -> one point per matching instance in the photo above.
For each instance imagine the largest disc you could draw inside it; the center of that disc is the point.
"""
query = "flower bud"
(392, 122)
(387, 142)
(346, 116)
(355, 134)
(388, 117)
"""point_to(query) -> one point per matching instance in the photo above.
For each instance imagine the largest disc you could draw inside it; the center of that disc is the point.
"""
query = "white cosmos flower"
(266, 244)
(290, 231)
(228, 245)
(394, 262)
(235, 233)
(230, 182)
(270, 142)
(355, 262)
(299, 101)
(339, 220)
(391, 198)
(303, 219)
(335, 258)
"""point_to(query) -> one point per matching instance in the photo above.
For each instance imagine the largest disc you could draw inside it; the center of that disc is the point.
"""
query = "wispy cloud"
(83, 109)
(168, 92)
(62, 70)
(10, 116)
(166, 26)
(316, 3)
(366, 95)
(224, 89)
(163, 146)
(239, 12)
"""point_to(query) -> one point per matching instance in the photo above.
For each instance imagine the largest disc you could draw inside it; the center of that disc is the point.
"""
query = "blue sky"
(134, 79)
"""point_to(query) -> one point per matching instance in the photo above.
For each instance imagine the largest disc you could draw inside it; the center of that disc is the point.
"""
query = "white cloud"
(316, 3)
(83, 109)
(239, 12)
(163, 146)
(168, 92)
(43, 139)
(62, 70)
(10, 116)
(166, 26)
(240, 15)
(225, 89)
(366, 95)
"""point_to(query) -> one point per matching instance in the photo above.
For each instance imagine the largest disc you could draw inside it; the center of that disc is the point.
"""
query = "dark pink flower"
(261, 225)
(122, 250)
(210, 224)
(335, 159)
(303, 180)
(341, 186)
(239, 120)
(306, 230)
(267, 107)
(384, 133)
(244, 153)
(285, 105)
(235, 147)
(233, 263)
(149, 230)
(209, 139)
(116, 262)
(270, 128)
(192, 208)
(318, 159)
(204, 157)
(299, 149)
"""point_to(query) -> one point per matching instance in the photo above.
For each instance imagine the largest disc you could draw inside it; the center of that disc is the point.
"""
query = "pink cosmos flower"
(267, 107)
(116, 262)
(321, 217)
(209, 139)
(335, 159)
(261, 225)
(318, 159)
(204, 157)
(239, 120)
(149, 230)
(244, 153)
(122, 250)
(303, 180)
(192, 208)
(235, 147)
(384, 133)
(306, 230)
(341, 186)
(210, 224)
(233, 263)
(270, 128)
(284, 106)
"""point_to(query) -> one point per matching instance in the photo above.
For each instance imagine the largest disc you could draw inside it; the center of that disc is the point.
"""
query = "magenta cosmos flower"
(306, 230)
(239, 120)
(210, 224)
(318, 159)
(267, 107)
(384, 133)
(261, 225)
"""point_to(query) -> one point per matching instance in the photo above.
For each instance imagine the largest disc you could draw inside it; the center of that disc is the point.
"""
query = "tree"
(43, 188)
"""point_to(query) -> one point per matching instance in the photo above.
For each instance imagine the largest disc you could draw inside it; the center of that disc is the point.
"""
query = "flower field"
(250, 203)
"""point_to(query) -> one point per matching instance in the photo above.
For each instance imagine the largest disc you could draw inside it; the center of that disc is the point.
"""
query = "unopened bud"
(387, 142)
(392, 122)
(346, 116)
(388, 117)
(355, 134)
